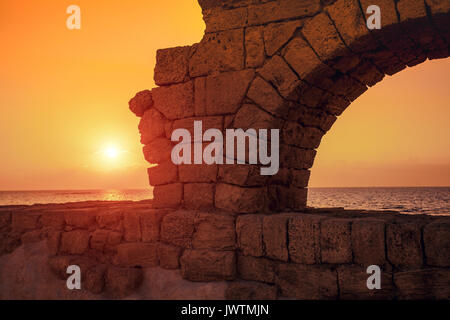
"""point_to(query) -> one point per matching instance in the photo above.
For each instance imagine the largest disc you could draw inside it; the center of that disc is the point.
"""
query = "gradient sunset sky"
(64, 94)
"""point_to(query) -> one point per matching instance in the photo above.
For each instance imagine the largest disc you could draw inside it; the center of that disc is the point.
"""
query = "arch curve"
(286, 64)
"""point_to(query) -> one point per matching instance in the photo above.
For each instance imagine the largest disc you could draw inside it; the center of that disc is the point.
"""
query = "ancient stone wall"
(287, 64)
(314, 254)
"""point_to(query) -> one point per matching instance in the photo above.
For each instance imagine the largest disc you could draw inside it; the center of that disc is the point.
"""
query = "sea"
(408, 200)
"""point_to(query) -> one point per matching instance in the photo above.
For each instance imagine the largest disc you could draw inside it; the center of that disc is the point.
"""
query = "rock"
(275, 236)
(238, 199)
(256, 269)
(121, 282)
(254, 47)
(109, 220)
(335, 241)
(199, 195)
(214, 231)
(264, 95)
(280, 75)
(52, 221)
(404, 248)
(93, 279)
(99, 239)
(163, 173)
(74, 242)
(219, 101)
(313, 282)
(197, 173)
(250, 234)
(175, 101)
(423, 284)
(218, 52)
(132, 227)
(169, 256)
(151, 225)
(436, 237)
(177, 228)
(22, 222)
(242, 175)
(137, 254)
(168, 196)
(278, 34)
(218, 19)
(32, 236)
(304, 238)
(158, 151)
(81, 218)
(280, 10)
(151, 126)
(248, 290)
(141, 102)
(353, 284)
(205, 265)
(172, 65)
(368, 242)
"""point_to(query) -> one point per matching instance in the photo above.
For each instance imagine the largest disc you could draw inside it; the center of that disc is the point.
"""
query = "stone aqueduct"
(226, 231)
(290, 65)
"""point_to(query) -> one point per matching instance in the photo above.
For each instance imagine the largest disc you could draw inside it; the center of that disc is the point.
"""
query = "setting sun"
(111, 152)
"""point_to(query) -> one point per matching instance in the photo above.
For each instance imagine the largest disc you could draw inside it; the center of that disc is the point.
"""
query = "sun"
(111, 152)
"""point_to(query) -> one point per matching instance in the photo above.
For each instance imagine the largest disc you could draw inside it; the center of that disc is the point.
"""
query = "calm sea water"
(415, 200)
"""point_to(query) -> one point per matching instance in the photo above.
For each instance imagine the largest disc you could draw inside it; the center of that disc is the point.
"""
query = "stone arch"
(285, 64)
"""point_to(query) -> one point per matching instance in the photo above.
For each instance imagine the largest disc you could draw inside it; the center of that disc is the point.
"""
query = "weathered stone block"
(296, 158)
(275, 236)
(158, 151)
(121, 282)
(204, 265)
(178, 228)
(52, 221)
(368, 242)
(276, 35)
(200, 96)
(171, 65)
(175, 101)
(151, 126)
(151, 225)
(436, 237)
(24, 221)
(307, 282)
(256, 269)
(254, 47)
(141, 102)
(74, 242)
(250, 234)
(93, 279)
(238, 199)
(280, 75)
(81, 218)
(169, 256)
(163, 173)
(423, 284)
(137, 254)
(214, 231)
(351, 24)
(353, 284)
(335, 241)
(132, 227)
(99, 239)
(264, 95)
(32, 236)
(323, 37)
(109, 220)
(250, 116)
(280, 10)
(168, 196)
(404, 248)
(218, 52)
(304, 61)
(300, 178)
(197, 172)
(198, 195)
(53, 240)
(250, 290)
(219, 101)
(304, 239)
(219, 19)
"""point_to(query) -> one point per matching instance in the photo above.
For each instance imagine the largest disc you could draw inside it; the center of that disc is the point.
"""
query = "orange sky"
(64, 94)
